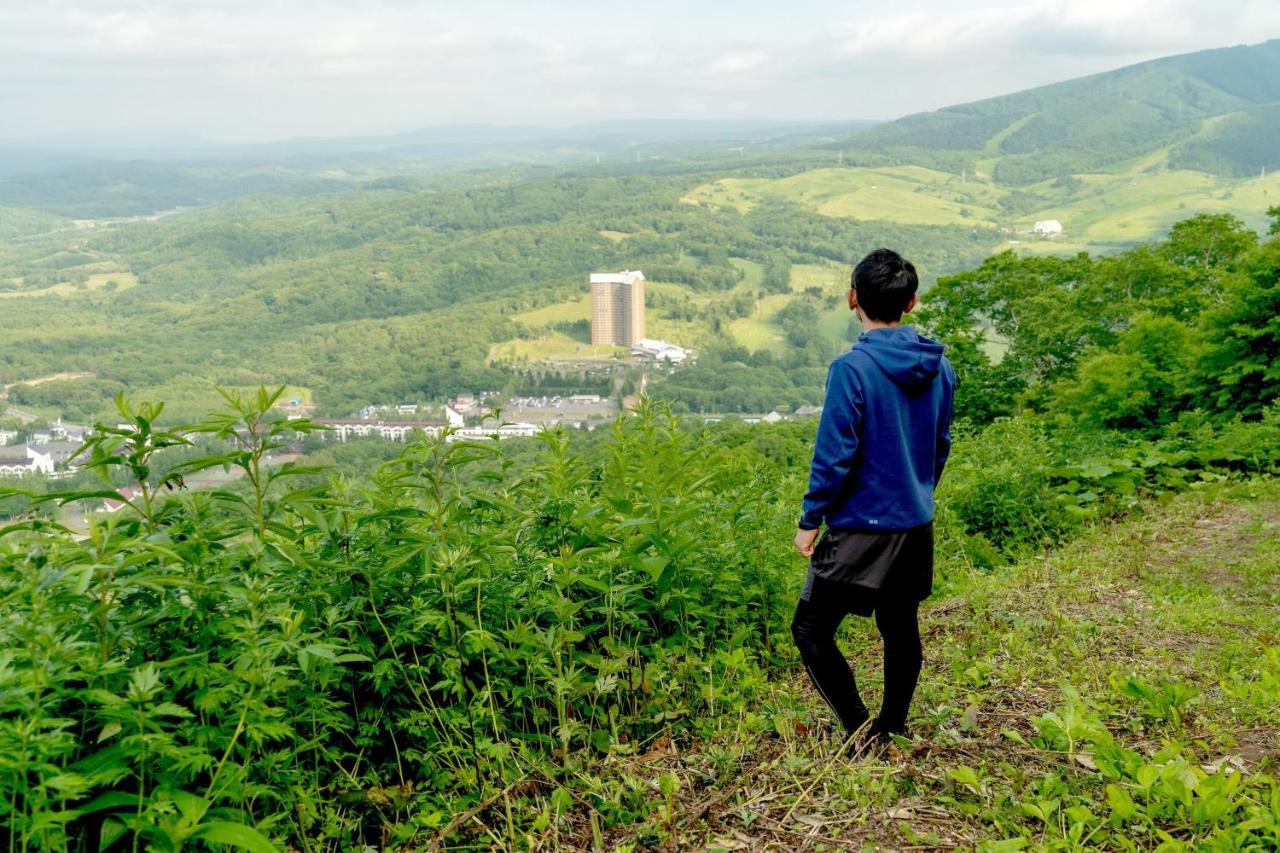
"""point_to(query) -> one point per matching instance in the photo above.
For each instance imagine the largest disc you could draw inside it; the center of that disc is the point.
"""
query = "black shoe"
(885, 734)
(857, 739)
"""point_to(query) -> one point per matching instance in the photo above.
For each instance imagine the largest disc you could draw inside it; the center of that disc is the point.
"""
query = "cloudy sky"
(251, 70)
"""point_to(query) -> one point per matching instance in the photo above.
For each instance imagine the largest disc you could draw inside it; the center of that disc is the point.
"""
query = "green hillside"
(376, 295)
(1099, 121)
(1116, 157)
(401, 279)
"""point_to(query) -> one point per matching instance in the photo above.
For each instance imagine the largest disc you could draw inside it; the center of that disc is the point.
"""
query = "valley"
(275, 576)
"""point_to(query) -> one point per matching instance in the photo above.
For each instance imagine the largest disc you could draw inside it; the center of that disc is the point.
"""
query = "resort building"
(617, 308)
(659, 351)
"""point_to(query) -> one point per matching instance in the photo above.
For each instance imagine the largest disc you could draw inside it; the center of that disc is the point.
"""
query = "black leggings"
(814, 629)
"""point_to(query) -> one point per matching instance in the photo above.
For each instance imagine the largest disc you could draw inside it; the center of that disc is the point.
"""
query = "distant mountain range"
(135, 179)
(451, 142)
(1216, 111)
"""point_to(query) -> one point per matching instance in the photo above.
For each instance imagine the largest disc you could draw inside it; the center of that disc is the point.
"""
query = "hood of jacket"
(909, 359)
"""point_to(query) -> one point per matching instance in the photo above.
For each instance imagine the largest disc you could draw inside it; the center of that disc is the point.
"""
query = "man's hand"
(805, 540)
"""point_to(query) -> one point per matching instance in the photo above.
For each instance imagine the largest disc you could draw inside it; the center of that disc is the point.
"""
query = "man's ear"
(853, 299)
(911, 306)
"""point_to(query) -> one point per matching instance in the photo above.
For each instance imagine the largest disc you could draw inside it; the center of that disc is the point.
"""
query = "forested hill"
(390, 278)
(1216, 110)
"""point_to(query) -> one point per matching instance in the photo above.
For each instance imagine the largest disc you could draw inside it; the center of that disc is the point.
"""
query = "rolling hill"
(1093, 123)
(387, 277)
(1117, 157)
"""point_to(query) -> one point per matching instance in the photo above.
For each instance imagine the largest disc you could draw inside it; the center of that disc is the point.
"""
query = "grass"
(830, 278)
(667, 288)
(550, 346)
(759, 331)
(96, 281)
(1138, 202)
(904, 194)
(1148, 204)
(752, 272)
(1130, 208)
(1156, 628)
(1141, 202)
(559, 312)
(835, 325)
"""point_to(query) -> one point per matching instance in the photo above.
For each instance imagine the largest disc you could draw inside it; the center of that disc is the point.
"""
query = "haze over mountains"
(345, 266)
(1214, 111)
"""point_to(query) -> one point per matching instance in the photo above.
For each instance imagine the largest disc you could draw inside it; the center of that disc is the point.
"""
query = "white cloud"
(1080, 28)
(247, 69)
(736, 63)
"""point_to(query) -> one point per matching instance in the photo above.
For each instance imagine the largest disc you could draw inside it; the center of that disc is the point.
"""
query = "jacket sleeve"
(835, 445)
(943, 448)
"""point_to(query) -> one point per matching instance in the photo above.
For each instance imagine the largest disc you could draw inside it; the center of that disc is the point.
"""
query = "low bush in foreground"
(363, 662)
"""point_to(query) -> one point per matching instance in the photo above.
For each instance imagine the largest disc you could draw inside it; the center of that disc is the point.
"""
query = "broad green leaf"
(234, 835)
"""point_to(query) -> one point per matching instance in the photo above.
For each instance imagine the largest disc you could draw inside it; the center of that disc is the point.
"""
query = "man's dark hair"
(885, 282)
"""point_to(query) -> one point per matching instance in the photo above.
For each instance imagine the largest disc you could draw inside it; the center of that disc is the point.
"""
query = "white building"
(29, 461)
(7, 436)
(515, 430)
(651, 350)
(1047, 228)
(342, 430)
(61, 452)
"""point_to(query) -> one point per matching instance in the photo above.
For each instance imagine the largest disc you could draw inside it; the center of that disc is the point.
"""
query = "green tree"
(1142, 384)
(1241, 369)
(1208, 241)
(777, 274)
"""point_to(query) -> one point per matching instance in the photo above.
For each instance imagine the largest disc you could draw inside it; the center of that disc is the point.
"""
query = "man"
(881, 445)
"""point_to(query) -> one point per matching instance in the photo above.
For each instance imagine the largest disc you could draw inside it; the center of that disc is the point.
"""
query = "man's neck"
(869, 325)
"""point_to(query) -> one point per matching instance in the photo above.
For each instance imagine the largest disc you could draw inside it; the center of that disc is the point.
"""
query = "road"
(25, 417)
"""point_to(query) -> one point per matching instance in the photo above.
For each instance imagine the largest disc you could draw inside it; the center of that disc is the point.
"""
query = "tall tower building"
(617, 308)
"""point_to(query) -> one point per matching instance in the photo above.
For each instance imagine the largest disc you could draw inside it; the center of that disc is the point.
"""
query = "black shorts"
(873, 566)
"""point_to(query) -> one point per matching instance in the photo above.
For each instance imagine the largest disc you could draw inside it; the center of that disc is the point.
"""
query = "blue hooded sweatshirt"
(884, 435)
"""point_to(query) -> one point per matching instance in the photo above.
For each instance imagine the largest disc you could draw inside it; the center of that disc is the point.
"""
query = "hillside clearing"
(551, 346)
(903, 194)
(559, 312)
(96, 281)
(829, 278)
(760, 331)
